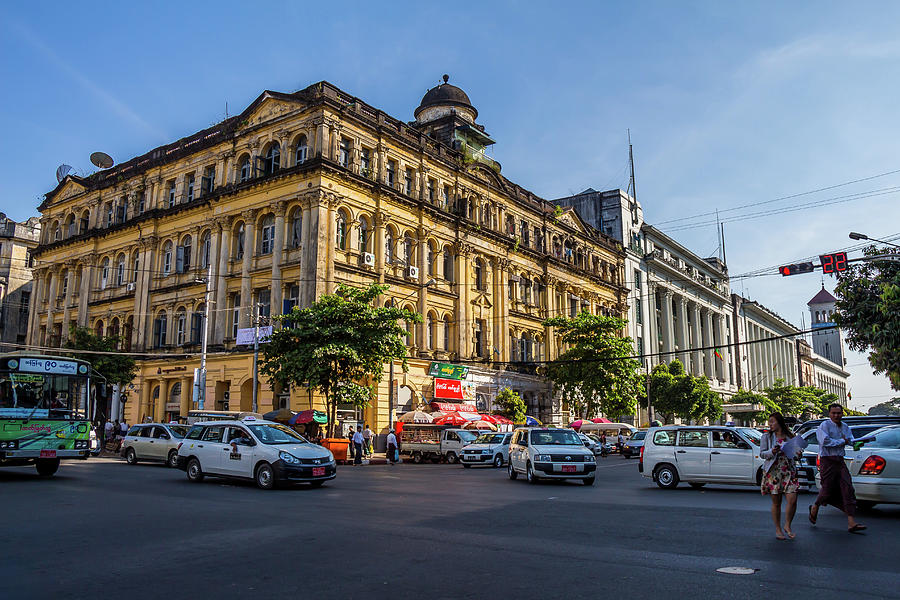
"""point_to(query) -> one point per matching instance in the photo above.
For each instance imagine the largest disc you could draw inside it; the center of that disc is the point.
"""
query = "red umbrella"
(501, 420)
(453, 419)
(489, 419)
(577, 424)
(600, 420)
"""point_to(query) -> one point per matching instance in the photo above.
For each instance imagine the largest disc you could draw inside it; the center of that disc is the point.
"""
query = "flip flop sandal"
(856, 528)
(812, 519)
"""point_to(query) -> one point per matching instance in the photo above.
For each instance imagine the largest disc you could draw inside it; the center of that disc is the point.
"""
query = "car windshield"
(179, 431)
(277, 434)
(555, 438)
(754, 435)
(639, 435)
(466, 436)
(489, 438)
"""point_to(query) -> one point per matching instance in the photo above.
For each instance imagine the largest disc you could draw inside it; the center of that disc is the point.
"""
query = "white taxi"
(268, 453)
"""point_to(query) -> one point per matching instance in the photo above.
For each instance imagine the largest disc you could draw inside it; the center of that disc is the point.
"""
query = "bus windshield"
(42, 395)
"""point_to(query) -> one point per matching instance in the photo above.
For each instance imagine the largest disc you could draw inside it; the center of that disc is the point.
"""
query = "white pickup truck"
(428, 442)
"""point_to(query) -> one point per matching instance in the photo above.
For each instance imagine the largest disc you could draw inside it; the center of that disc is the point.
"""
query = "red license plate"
(48, 453)
(318, 471)
(568, 468)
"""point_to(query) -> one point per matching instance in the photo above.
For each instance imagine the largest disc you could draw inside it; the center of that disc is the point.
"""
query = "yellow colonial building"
(277, 206)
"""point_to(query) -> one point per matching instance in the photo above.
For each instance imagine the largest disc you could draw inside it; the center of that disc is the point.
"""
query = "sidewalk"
(376, 458)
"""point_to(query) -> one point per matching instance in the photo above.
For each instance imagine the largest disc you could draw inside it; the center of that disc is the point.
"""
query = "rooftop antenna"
(631, 186)
(61, 172)
(102, 160)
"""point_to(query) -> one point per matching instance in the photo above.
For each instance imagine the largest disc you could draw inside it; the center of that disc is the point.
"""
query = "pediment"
(270, 106)
(66, 189)
(487, 174)
(570, 217)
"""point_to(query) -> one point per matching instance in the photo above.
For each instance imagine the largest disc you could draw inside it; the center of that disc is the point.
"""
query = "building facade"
(679, 306)
(827, 340)
(767, 347)
(299, 193)
(17, 241)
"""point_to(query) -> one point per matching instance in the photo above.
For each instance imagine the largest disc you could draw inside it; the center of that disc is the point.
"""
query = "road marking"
(737, 570)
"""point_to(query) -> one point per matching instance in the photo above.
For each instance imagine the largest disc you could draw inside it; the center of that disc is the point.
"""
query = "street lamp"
(391, 370)
(861, 236)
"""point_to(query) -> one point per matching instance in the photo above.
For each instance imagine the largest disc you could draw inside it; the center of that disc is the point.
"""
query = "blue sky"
(727, 105)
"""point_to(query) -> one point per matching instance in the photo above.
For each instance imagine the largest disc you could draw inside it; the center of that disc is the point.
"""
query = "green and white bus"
(46, 406)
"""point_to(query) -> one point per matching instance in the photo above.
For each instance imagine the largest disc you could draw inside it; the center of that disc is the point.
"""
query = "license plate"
(48, 453)
(568, 468)
(469, 457)
(318, 471)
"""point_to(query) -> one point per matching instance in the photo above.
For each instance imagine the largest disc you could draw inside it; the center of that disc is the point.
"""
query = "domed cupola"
(445, 99)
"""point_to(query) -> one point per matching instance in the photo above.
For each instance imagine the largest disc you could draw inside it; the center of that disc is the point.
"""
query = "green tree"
(105, 357)
(743, 396)
(891, 407)
(338, 346)
(790, 399)
(868, 310)
(820, 399)
(675, 393)
(511, 405)
(595, 374)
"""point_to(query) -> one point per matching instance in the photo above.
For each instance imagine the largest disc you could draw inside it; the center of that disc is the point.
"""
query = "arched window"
(267, 239)
(447, 332)
(167, 258)
(57, 232)
(175, 394)
(85, 221)
(180, 326)
(185, 259)
(408, 249)
(65, 281)
(340, 230)
(411, 331)
(239, 242)
(135, 267)
(104, 273)
(205, 244)
(431, 259)
(296, 227)
(388, 246)
(429, 330)
(301, 151)
(98, 329)
(449, 263)
(526, 290)
(479, 274)
(113, 330)
(363, 235)
(273, 158)
(70, 226)
(120, 270)
(246, 168)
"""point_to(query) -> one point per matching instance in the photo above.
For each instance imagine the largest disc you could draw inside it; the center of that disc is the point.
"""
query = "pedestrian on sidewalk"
(107, 433)
(837, 487)
(620, 442)
(358, 441)
(351, 448)
(393, 447)
(779, 473)
(367, 436)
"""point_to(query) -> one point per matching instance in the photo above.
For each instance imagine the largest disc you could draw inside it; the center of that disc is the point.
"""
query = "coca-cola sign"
(448, 388)
(449, 407)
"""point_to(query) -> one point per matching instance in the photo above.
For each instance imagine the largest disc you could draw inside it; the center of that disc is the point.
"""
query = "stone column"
(421, 250)
(221, 303)
(212, 274)
(51, 300)
(668, 327)
(249, 248)
(549, 332)
(328, 247)
(84, 293)
(160, 408)
(708, 343)
(277, 252)
(696, 341)
(682, 333)
(464, 327)
(725, 349)
(70, 285)
(143, 319)
(378, 249)
(37, 291)
(146, 395)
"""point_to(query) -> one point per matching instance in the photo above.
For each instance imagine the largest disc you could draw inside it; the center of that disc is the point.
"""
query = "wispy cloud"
(114, 104)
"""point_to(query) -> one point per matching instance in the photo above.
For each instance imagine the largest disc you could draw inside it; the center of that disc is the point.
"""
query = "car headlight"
(288, 458)
(543, 458)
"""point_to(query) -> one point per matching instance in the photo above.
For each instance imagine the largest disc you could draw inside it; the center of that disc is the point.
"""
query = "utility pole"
(201, 391)
(255, 354)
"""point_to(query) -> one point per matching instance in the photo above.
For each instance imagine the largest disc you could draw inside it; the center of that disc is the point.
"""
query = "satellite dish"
(61, 172)
(101, 160)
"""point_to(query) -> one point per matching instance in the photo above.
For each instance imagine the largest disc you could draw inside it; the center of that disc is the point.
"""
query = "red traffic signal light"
(834, 262)
(804, 267)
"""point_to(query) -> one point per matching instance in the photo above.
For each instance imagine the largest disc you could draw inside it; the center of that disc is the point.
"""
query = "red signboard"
(449, 407)
(448, 388)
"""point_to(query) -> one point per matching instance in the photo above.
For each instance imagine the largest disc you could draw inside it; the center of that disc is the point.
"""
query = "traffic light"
(834, 262)
(804, 267)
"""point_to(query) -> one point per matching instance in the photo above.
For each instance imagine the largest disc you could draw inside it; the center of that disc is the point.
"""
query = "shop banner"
(449, 407)
(437, 369)
(245, 335)
(448, 388)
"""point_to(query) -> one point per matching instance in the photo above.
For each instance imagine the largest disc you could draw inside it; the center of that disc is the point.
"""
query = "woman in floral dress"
(779, 474)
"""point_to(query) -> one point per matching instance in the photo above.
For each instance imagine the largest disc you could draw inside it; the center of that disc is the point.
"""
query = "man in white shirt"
(367, 437)
(392, 446)
(358, 441)
(107, 431)
(836, 485)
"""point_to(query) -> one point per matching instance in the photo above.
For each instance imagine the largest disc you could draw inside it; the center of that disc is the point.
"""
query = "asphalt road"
(105, 529)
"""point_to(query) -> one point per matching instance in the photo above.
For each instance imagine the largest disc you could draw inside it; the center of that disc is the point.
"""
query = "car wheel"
(865, 504)
(589, 480)
(194, 472)
(417, 457)
(529, 474)
(498, 461)
(697, 485)
(47, 466)
(511, 471)
(667, 477)
(131, 456)
(452, 458)
(465, 466)
(173, 459)
(265, 476)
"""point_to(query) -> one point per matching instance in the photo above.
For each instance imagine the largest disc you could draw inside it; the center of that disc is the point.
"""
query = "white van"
(263, 451)
(701, 454)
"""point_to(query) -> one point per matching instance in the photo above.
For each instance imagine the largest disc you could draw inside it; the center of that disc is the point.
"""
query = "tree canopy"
(675, 393)
(595, 374)
(338, 345)
(103, 354)
(891, 407)
(511, 405)
(868, 310)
